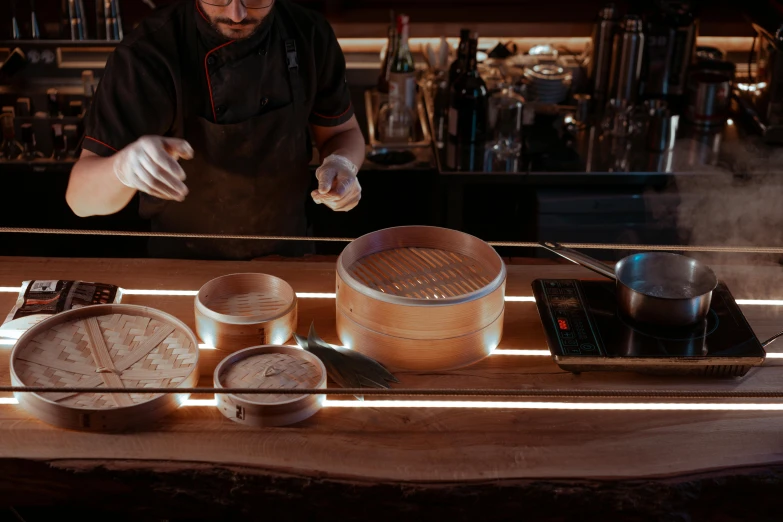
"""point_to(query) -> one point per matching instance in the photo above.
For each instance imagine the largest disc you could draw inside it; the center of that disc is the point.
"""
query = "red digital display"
(562, 324)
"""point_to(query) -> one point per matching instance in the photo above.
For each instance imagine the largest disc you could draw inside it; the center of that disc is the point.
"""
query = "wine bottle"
(468, 107)
(402, 76)
(391, 46)
(458, 65)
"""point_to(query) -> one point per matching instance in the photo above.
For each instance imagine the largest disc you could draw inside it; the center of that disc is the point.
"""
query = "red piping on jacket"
(100, 142)
(209, 83)
(206, 68)
(335, 117)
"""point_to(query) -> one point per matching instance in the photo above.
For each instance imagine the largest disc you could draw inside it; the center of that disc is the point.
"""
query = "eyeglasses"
(248, 4)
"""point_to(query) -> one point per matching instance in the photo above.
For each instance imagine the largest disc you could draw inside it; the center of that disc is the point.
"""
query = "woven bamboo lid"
(270, 367)
(421, 273)
(104, 345)
(246, 298)
(240, 310)
(420, 265)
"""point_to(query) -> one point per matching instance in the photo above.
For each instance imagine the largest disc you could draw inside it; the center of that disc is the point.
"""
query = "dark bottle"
(458, 65)
(53, 103)
(441, 110)
(391, 49)
(468, 106)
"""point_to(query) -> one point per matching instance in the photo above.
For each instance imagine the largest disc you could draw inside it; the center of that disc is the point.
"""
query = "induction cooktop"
(585, 331)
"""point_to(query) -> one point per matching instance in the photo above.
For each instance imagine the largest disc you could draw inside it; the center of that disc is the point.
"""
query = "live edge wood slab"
(369, 463)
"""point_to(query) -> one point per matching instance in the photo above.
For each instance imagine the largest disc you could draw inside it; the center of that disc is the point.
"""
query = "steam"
(730, 193)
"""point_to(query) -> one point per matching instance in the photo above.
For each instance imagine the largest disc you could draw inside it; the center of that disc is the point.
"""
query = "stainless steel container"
(658, 288)
(686, 30)
(709, 99)
(605, 28)
(659, 37)
(627, 60)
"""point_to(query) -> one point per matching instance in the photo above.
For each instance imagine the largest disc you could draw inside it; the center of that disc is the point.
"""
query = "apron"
(245, 178)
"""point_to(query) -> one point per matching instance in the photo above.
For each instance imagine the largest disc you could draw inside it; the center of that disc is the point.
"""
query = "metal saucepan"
(654, 287)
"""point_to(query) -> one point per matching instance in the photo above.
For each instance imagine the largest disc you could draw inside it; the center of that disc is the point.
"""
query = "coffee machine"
(760, 99)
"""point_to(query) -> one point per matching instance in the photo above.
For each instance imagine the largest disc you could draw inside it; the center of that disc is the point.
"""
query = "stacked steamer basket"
(240, 310)
(420, 298)
(271, 367)
(117, 346)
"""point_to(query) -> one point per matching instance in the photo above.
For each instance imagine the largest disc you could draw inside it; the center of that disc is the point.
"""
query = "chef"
(204, 111)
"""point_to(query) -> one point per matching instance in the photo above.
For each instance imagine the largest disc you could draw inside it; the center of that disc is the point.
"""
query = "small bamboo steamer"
(105, 345)
(240, 310)
(270, 367)
(420, 298)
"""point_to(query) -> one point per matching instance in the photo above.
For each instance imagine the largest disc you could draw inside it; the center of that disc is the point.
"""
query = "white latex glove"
(338, 187)
(149, 165)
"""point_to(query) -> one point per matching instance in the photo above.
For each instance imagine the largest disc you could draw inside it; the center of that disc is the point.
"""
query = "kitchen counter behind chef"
(204, 110)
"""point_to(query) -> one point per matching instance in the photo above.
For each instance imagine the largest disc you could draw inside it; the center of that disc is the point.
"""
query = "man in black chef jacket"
(228, 87)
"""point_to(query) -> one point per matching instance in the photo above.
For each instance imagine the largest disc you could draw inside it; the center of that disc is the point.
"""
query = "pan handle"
(772, 339)
(580, 259)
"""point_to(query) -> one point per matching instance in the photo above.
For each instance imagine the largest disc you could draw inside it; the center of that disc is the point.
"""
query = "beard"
(236, 30)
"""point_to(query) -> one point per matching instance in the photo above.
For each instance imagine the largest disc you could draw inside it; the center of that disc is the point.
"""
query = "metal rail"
(517, 244)
(453, 392)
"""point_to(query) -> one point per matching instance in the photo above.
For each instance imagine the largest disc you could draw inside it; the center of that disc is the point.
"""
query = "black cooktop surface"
(585, 331)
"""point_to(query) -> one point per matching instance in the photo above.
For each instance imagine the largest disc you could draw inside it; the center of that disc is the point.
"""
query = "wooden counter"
(350, 459)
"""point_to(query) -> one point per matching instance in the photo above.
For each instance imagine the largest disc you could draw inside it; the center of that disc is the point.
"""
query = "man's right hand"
(149, 164)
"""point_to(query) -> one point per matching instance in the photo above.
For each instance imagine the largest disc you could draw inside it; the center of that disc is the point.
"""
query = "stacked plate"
(547, 83)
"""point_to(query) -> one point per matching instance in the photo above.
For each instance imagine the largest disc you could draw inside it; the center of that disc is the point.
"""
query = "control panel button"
(574, 351)
(588, 347)
(570, 342)
(566, 335)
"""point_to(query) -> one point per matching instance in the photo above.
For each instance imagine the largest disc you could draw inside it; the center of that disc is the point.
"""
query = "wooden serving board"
(364, 442)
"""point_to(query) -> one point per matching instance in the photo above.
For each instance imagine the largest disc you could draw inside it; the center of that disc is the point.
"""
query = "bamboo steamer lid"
(240, 310)
(105, 346)
(420, 298)
(270, 367)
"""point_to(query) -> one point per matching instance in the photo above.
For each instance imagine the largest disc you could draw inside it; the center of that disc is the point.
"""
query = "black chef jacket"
(140, 92)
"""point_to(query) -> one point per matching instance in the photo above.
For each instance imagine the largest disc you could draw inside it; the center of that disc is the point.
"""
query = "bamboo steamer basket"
(270, 367)
(105, 345)
(240, 310)
(420, 298)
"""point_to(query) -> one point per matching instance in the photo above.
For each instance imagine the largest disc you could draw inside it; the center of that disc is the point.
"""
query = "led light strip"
(499, 351)
(515, 405)
(530, 405)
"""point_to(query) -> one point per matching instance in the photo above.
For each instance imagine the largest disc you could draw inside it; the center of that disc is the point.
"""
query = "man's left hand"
(338, 186)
